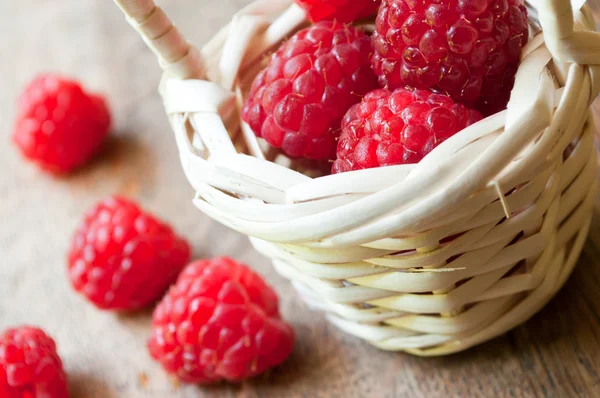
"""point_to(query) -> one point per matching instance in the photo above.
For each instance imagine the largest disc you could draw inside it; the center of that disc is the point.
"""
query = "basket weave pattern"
(430, 258)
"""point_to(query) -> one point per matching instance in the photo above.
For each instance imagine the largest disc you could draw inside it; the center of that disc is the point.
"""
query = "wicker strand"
(175, 55)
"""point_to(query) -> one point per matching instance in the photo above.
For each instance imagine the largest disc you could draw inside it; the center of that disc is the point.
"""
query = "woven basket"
(430, 258)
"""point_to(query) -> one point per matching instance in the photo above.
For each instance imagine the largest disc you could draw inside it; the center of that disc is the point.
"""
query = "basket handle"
(176, 55)
(562, 39)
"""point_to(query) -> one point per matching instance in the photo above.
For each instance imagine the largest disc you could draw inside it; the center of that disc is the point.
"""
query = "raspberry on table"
(340, 10)
(122, 258)
(400, 127)
(60, 126)
(298, 101)
(220, 321)
(30, 365)
(469, 49)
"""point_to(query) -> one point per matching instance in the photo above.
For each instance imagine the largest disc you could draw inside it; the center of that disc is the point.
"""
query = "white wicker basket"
(430, 258)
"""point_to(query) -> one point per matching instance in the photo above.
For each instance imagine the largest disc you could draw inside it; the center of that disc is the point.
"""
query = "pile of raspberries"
(430, 69)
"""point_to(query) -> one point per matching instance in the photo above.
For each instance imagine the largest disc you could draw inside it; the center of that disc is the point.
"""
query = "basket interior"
(247, 143)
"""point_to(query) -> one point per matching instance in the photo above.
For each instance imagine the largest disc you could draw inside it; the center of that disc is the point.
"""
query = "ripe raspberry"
(340, 10)
(60, 126)
(398, 128)
(468, 49)
(220, 321)
(298, 101)
(122, 258)
(30, 366)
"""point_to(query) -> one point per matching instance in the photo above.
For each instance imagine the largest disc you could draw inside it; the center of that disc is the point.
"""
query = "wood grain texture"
(555, 354)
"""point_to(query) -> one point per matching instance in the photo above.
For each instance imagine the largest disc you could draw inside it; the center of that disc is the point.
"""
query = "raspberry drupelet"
(469, 49)
(123, 258)
(220, 321)
(29, 365)
(339, 10)
(400, 127)
(59, 126)
(298, 101)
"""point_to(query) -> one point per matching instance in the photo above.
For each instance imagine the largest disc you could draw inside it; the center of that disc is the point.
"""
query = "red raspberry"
(60, 126)
(220, 321)
(30, 366)
(398, 128)
(298, 101)
(340, 10)
(468, 49)
(122, 258)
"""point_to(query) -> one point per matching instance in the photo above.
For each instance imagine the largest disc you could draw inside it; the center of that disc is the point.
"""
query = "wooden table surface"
(555, 354)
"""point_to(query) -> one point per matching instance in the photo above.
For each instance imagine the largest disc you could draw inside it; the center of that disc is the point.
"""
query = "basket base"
(355, 310)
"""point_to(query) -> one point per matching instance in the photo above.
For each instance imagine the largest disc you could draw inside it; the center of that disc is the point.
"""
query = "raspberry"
(30, 366)
(122, 258)
(60, 126)
(220, 321)
(340, 10)
(468, 49)
(298, 101)
(398, 128)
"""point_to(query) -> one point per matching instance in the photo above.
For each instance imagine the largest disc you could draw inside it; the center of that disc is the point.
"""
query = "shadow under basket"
(429, 258)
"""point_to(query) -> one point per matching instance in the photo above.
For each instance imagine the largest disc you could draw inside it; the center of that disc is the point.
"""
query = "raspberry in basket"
(29, 365)
(340, 10)
(123, 258)
(59, 125)
(298, 101)
(468, 49)
(220, 321)
(397, 128)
